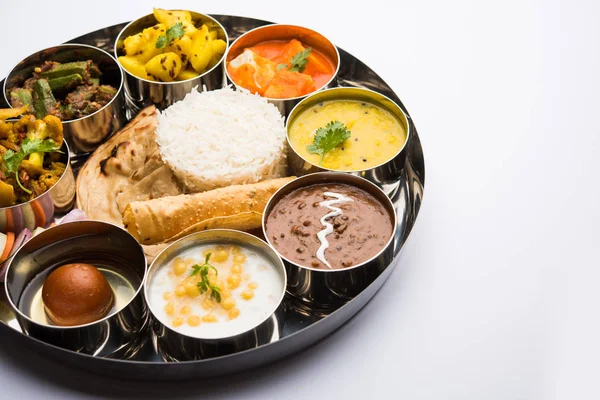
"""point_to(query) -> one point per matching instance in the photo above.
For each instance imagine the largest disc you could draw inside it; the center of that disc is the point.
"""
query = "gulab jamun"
(76, 294)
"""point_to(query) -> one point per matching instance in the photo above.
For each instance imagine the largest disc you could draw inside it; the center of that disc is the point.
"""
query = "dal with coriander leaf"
(321, 135)
(328, 138)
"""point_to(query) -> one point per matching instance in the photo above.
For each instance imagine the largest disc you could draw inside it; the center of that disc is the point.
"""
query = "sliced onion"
(74, 215)
(3, 238)
(47, 204)
(20, 240)
(38, 230)
(18, 219)
(3, 271)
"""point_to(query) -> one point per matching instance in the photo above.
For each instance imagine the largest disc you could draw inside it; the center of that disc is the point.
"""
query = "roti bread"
(126, 168)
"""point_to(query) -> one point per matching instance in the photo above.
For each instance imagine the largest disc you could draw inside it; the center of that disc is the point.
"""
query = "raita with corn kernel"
(215, 291)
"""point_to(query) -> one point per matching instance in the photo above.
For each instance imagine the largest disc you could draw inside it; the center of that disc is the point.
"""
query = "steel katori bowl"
(386, 175)
(176, 346)
(116, 254)
(84, 134)
(40, 211)
(140, 92)
(285, 32)
(326, 289)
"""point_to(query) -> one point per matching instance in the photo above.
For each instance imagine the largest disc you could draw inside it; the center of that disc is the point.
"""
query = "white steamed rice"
(221, 138)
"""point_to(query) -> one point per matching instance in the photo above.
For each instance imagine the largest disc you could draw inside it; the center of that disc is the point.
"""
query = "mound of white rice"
(221, 138)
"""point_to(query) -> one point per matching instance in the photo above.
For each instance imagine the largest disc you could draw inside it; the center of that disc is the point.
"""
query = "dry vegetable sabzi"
(69, 90)
(173, 49)
(30, 151)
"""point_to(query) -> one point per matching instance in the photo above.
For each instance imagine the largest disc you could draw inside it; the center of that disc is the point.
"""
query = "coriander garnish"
(328, 138)
(13, 159)
(174, 32)
(204, 284)
(298, 62)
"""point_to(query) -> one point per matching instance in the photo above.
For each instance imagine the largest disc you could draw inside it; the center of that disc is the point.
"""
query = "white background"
(495, 295)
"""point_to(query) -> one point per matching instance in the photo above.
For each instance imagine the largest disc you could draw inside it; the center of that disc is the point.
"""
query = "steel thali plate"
(299, 327)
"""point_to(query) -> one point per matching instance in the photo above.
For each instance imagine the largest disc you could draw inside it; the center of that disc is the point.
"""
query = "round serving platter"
(299, 326)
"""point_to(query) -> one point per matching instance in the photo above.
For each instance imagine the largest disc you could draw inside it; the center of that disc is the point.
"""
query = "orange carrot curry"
(281, 69)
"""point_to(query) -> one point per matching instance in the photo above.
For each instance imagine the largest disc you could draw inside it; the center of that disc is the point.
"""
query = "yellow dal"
(376, 135)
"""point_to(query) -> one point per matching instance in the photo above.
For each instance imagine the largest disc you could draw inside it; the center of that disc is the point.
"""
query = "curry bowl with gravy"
(335, 233)
(282, 63)
(350, 130)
